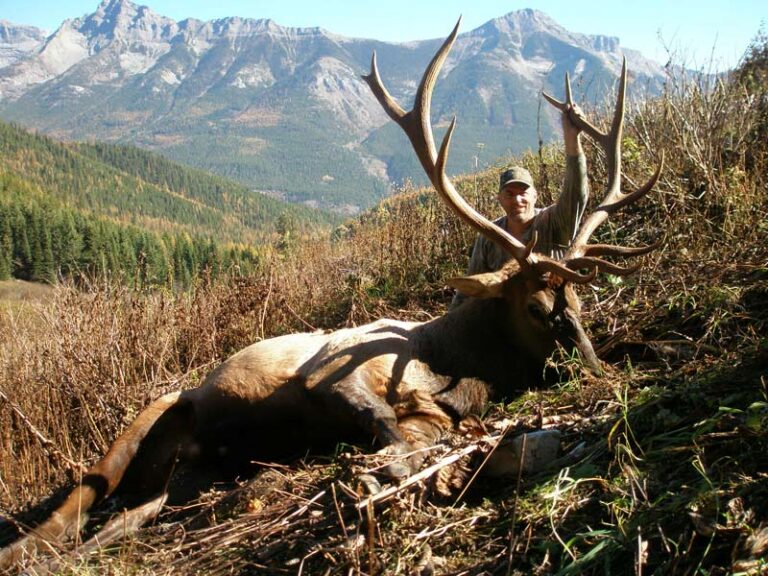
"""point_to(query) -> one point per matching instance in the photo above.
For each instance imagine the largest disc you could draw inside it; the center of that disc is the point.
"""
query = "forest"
(72, 209)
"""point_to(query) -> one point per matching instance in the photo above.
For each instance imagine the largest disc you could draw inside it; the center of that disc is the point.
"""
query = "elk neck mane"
(476, 341)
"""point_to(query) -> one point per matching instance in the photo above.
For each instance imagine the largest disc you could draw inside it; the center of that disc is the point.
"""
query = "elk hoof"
(369, 483)
(403, 461)
(398, 470)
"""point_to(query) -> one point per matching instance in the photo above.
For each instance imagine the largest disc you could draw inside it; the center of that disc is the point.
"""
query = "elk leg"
(351, 398)
(167, 417)
(121, 526)
(421, 420)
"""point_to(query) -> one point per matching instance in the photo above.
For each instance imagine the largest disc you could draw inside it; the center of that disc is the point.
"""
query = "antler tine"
(581, 254)
(546, 264)
(568, 93)
(390, 105)
(418, 127)
(416, 122)
(567, 107)
(602, 265)
(596, 250)
(459, 205)
(625, 199)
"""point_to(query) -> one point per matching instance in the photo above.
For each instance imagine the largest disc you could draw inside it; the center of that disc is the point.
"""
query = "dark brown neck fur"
(475, 342)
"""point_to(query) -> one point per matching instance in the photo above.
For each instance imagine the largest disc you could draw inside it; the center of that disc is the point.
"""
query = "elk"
(402, 383)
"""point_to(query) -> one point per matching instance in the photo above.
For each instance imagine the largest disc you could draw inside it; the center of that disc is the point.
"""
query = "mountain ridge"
(284, 110)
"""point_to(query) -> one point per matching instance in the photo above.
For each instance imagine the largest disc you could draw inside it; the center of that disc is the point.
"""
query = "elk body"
(402, 383)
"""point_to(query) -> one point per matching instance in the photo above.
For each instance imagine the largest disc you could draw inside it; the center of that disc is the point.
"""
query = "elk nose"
(571, 329)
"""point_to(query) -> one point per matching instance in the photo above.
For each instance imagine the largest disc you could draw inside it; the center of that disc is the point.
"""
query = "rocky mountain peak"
(110, 16)
(114, 9)
(17, 42)
(121, 20)
(530, 20)
(522, 23)
(10, 32)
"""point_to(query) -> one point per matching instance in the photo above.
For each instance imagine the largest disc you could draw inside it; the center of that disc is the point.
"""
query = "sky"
(702, 35)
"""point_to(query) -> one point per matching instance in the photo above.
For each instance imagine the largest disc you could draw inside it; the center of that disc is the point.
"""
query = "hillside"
(663, 466)
(79, 207)
(285, 110)
(131, 185)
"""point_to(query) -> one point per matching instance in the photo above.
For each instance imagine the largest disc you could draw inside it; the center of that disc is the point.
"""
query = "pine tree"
(67, 243)
(22, 255)
(6, 244)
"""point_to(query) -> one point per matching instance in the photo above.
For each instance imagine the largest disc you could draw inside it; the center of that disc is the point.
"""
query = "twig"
(262, 331)
(339, 515)
(305, 507)
(175, 381)
(443, 529)
(371, 536)
(299, 318)
(46, 442)
(411, 480)
(512, 535)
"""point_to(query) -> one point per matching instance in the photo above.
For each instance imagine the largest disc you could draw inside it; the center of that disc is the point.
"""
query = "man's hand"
(570, 130)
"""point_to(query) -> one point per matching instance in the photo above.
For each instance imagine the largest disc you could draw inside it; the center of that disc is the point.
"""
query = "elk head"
(541, 309)
(543, 306)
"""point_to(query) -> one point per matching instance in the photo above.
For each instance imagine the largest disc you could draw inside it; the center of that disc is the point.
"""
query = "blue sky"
(700, 33)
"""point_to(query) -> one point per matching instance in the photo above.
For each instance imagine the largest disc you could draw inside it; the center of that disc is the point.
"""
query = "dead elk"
(305, 388)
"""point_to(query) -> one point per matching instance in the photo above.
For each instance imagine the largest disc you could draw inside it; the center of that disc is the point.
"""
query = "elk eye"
(538, 313)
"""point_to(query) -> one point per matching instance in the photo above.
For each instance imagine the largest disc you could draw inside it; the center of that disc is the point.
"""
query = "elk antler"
(418, 127)
(581, 254)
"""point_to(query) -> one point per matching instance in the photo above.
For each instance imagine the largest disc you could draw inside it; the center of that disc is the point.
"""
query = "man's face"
(518, 201)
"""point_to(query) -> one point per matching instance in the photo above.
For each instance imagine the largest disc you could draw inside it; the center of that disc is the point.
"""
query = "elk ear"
(487, 285)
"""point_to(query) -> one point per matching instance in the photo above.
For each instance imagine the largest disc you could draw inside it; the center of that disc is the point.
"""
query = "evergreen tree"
(91, 257)
(22, 255)
(6, 245)
(67, 244)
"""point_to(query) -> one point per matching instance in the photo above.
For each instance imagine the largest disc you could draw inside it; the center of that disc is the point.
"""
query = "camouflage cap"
(515, 174)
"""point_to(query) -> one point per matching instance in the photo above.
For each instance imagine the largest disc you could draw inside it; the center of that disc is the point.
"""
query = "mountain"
(284, 110)
(132, 186)
(17, 42)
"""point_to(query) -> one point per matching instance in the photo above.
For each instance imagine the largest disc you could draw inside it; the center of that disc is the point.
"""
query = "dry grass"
(17, 295)
(670, 470)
